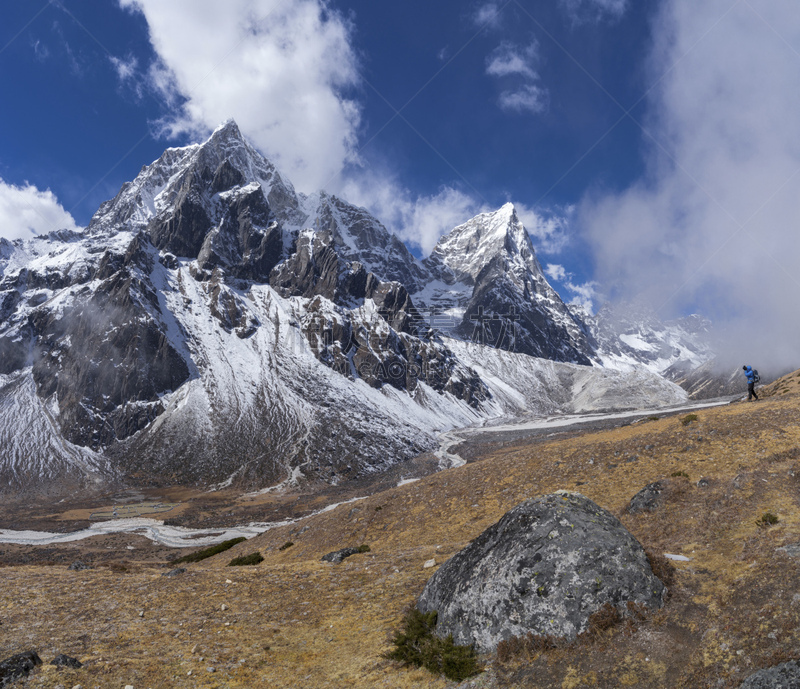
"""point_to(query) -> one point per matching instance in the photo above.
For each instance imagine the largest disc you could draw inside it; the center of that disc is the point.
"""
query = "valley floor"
(295, 621)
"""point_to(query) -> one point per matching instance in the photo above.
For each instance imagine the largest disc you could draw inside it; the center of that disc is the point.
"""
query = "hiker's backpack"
(756, 377)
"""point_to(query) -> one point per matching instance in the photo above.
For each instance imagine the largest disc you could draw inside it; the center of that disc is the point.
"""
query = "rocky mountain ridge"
(212, 325)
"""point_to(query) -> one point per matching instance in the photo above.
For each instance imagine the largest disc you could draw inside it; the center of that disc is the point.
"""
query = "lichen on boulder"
(783, 676)
(544, 568)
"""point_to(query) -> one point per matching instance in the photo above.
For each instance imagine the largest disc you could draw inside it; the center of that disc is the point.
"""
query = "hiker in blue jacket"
(751, 382)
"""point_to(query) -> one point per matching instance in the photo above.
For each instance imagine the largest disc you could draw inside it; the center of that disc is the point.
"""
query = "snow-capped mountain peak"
(215, 325)
(485, 275)
(463, 253)
(183, 184)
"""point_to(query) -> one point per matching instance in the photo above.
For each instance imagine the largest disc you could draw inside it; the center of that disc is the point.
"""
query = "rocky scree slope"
(213, 325)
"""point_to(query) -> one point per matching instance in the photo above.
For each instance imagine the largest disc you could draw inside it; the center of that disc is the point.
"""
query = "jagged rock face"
(106, 359)
(312, 269)
(497, 316)
(246, 241)
(544, 568)
(184, 230)
(370, 344)
(358, 236)
(219, 202)
(492, 276)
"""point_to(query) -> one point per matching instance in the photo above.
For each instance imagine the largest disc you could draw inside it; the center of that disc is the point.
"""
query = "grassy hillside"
(294, 621)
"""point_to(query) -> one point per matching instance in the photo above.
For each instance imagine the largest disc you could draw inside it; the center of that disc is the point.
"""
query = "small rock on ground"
(647, 499)
(63, 660)
(338, 555)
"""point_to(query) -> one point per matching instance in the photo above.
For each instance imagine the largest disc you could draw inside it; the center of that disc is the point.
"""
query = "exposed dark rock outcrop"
(647, 499)
(245, 241)
(783, 676)
(18, 666)
(503, 313)
(63, 660)
(174, 572)
(358, 345)
(184, 230)
(338, 556)
(312, 268)
(544, 568)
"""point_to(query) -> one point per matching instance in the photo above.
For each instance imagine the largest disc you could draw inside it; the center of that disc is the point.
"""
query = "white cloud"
(583, 295)
(531, 98)
(417, 220)
(517, 65)
(40, 50)
(487, 14)
(548, 229)
(509, 59)
(713, 226)
(280, 69)
(555, 271)
(25, 210)
(594, 10)
(125, 69)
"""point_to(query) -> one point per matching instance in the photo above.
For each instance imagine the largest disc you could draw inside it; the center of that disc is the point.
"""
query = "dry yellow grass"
(294, 621)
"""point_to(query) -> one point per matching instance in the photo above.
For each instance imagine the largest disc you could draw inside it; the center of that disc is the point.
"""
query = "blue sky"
(644, 143)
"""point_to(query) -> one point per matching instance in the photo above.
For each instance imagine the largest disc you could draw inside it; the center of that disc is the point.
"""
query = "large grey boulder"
(784, 676)
(544, 568)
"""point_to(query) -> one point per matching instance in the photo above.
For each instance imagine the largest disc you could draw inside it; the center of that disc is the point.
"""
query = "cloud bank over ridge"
(26, 210)
(282, 69)
(713, 226)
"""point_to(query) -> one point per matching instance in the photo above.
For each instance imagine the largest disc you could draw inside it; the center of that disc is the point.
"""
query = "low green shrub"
(251, 559)
(679, 473)
(286, 545)
(363, 548)
(767, 519)
(210, 552)
(686, 420)
(417, 645)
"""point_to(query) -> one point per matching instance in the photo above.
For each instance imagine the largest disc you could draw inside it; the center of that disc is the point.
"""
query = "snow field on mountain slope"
(28, 433)
(599, 389)
(673, 341)
(276, 368)
(541, 386)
